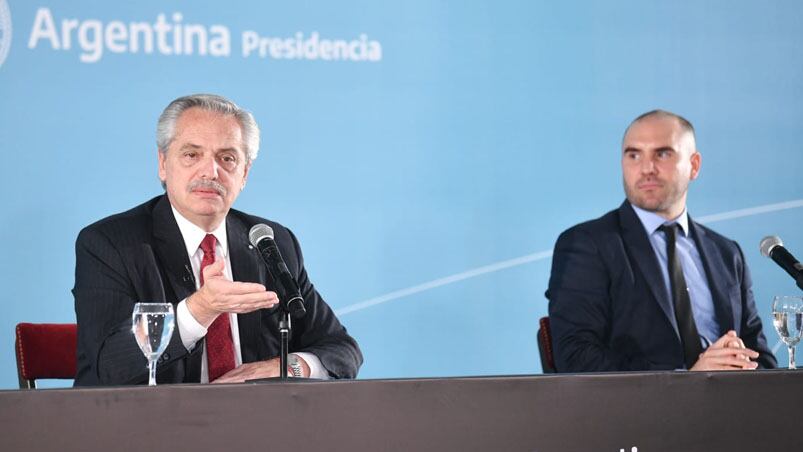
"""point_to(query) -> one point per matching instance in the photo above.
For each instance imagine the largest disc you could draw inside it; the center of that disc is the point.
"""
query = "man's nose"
(209, 168)
(647, 166)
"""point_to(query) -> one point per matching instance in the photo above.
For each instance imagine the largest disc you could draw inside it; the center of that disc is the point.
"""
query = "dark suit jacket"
(608, 304)
(139, 255)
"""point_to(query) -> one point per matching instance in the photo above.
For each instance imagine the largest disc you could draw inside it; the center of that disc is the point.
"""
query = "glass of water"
(787, 317)
(152, 327)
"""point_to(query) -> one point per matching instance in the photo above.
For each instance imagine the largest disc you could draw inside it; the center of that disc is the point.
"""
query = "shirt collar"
(652, 221)
(193, 235)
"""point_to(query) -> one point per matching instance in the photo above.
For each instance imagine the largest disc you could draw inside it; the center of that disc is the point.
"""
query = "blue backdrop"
(426, 153)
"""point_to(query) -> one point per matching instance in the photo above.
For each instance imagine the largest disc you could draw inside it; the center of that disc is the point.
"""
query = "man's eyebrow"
(663, 148)
(190, 146)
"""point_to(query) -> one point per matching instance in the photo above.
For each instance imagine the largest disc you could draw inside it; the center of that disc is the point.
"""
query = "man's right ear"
(160, 156)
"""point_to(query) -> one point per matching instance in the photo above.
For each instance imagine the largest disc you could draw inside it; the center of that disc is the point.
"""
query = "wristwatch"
(295, 365)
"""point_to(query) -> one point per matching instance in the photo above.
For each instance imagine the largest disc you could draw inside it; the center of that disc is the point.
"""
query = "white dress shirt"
(189, 329)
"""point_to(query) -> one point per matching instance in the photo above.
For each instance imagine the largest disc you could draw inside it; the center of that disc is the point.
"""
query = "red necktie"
(219, 345)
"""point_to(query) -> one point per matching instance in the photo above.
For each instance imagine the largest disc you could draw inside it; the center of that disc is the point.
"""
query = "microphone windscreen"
(768, 243)
(258, 232)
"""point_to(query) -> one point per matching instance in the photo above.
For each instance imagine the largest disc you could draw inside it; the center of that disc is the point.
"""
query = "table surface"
(657, 411)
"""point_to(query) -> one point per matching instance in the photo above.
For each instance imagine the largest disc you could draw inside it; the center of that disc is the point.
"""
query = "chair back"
(545, 346)
(45, 350)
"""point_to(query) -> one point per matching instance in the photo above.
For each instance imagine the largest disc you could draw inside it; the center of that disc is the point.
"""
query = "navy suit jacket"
(609, 308)
(139, 255)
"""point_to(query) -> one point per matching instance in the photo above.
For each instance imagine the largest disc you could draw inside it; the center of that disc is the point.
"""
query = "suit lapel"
(717, 278)
(245, 266)
(639, 247)
(245, 260)
(171, 250)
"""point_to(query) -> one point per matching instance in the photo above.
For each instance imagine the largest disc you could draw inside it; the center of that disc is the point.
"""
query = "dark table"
(644, 412)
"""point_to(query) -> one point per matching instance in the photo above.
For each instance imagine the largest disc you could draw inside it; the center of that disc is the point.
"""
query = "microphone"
(261, 236)
(772, 247)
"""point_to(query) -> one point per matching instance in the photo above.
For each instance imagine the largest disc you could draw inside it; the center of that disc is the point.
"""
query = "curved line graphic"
(5, 28)
(534, 257)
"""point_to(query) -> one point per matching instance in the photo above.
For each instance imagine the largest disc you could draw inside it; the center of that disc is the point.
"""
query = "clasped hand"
(727, 353)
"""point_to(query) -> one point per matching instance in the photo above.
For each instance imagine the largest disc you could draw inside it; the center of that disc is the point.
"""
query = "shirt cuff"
(188, 328)
(316, 369)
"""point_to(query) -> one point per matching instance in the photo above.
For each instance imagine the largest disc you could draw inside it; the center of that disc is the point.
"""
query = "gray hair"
(166, 127)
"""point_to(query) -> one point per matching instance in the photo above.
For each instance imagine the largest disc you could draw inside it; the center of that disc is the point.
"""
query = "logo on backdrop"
(5, 31)
(171, 35)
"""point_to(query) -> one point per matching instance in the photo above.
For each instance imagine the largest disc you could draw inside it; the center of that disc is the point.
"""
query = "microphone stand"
(285, 325)
(285, 330)
(284, 333)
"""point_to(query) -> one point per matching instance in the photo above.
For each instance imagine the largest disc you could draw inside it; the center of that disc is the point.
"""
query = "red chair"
(45, 350)
(545, 346)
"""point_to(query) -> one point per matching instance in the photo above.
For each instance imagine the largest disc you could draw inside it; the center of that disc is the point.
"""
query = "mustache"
(209, 185)
(650, 180)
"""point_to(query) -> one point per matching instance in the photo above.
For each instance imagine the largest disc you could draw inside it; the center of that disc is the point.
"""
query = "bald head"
(685, 126)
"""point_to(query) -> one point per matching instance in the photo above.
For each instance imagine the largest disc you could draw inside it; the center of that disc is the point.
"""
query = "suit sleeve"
(751, 330)
(580, 308)
(320, 332)
(104, 300)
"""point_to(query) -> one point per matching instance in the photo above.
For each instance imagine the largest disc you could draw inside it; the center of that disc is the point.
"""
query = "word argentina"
(94, 38)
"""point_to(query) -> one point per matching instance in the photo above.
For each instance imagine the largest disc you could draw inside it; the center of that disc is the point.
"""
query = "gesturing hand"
(218, 295)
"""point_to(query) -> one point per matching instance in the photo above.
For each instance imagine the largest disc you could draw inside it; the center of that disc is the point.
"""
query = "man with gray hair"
(645, 287)
(188, 247)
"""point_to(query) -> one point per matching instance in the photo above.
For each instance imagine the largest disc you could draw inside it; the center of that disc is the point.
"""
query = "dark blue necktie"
(689, 337)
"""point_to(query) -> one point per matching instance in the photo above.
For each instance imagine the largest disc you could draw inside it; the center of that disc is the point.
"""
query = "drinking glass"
(152, 327)
(787, 317)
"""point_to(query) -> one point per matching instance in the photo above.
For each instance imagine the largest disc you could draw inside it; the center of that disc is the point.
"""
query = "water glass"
(152, 325)
(787, 318)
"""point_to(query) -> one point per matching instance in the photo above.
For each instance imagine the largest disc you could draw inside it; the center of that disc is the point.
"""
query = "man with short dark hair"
(188, 247)
(646, 288)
